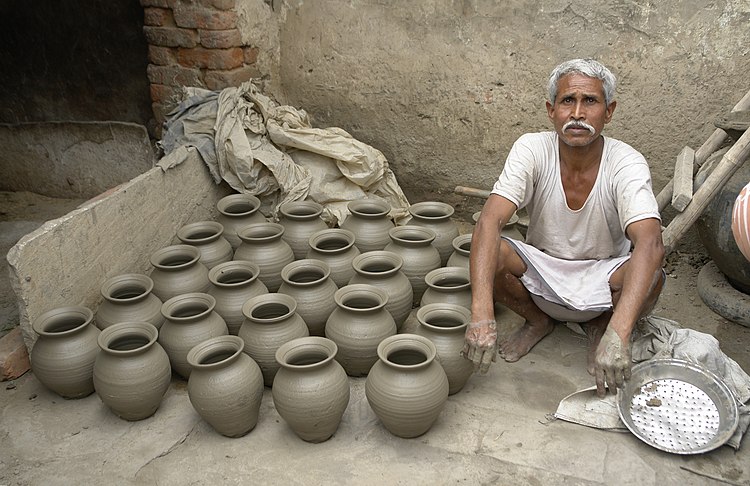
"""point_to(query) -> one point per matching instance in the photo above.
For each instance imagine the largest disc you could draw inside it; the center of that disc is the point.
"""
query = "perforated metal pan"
(677, 406)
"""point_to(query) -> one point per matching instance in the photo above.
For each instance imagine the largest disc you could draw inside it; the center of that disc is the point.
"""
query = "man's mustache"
(579, 124)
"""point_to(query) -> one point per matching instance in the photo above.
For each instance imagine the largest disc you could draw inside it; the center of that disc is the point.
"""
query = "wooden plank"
(683, 179)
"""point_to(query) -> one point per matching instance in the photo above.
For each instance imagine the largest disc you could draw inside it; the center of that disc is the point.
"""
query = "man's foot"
(594, 330)
(518, 344)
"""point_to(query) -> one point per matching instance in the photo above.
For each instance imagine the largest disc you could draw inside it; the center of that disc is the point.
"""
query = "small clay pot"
(128, 298)
(308, 282)
(262, 244)
(232, 284)
(335, 247)
(237, 211)
(414, 245)
(461, 251)
(436, 216)
(301, 219)
(450, 285)
(178, 270)
(225, 386)
(369, 220)
(207, 237)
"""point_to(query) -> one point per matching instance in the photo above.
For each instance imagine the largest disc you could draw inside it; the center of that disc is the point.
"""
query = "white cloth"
(621, 195)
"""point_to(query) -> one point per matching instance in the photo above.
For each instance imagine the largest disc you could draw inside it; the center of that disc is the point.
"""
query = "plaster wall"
(444, 87)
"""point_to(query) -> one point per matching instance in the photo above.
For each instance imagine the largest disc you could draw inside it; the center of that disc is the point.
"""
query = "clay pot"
(414, 245)
(461, 251)
(407, 388)
(357, 326)
(225, 386)
(335, 247)
(445, 325)
(270, 321)
(369, 220)
(308, 282)
(132, 372)
(311, 390)
(262, 245)
(128, 297)
(512, 228)
(382, 269)
(207, 237)
(178, 270)
(63, 357)
(237, 211)
(450, 285)
(189, 319)
(741, 221)
(301, 219)
(436, 216)
(232, 284)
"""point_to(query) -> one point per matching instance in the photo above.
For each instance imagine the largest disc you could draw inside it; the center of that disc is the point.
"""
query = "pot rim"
(434, 277)
(254, 303)
(410, 342)
(421, 236)
(260, 232)
(175, 250)
(417, 209)
(227, 342)
(125, 328)
(40, 323)
(360, 289)
(234, 266)
(443, 308)
(290, 269)
(184, 233)
(379, 208)
(132, 279)
(227, 201)
(168, 307)
(296, 346)
(461, 240)
(328, 235)
(305, 210)
(378, 256)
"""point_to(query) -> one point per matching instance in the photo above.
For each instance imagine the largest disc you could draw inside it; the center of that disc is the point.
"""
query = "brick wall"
(194, 43)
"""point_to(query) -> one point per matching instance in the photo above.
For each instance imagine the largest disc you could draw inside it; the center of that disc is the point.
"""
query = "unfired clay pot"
(311, 390)
(237, 211)
(301, 219)
(225, 386)
(335, 246)
(189, 319)
(414, 245)
(436, 216)
(207, 237)
(270, 321)
(450, 285)
(407, 388)
(128, 297)
(308, 282)
(357, 326)
(369, 220)
(445, 325)
(132, 372)
(63, 356)
(178, 270)
(232, 284)
(262, 245)
(461, 251)
(382, 269)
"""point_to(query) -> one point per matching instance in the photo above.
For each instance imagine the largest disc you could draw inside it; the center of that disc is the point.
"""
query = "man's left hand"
(612, 362)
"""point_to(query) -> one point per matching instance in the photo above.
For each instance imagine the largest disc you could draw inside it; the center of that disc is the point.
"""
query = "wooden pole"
(471, 191)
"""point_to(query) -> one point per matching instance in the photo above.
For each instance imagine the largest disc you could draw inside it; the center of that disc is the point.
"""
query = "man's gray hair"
(587, 67)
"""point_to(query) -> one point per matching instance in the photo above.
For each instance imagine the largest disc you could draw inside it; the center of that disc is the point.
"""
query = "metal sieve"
(677, 406)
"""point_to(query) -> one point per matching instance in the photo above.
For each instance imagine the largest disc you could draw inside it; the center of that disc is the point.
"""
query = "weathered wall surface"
(444, 87)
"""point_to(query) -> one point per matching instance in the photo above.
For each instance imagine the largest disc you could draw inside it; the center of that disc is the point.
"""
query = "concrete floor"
(497, 430)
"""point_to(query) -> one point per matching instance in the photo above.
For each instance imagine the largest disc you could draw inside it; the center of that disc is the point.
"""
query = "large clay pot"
(414, 245)
(132, 372)
(207, 237)
(450, 285)
(309, 283)
(301, 219)
(178, 270)
(262, 245)
(461, 251)
(445, 325)
(357, 326)
(62, 359)
(382, 269)
(436, 216)
(189, 319)
(741, 221)
(237, 211)
(311, 389)
(335, 246)
(270, 321)
(225, 386)
(407, 388)
(369, 220)
(128, 297)
(232, 284)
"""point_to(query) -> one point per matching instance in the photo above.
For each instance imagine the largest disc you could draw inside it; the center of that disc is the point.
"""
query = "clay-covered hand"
(481, 344)
(612, 362)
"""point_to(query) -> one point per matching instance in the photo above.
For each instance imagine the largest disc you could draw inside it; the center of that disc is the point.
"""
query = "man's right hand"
(481, 344)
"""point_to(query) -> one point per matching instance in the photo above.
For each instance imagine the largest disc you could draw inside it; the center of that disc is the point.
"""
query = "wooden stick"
(732, 160)
(471, 191)
(709, 146)
(683, 179)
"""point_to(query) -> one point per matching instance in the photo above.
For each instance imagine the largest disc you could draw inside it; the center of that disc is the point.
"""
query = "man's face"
(579, 99)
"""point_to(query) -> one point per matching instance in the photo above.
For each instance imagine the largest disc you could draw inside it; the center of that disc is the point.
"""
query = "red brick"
(14, 357)
(170, 36)
(158, 3)
(174, 76)
(163, 56)
(160, 113)
(220, 4)
(166, 95)
(216, 80)
(220, 39)
(159, 17)
(210, 58)
(204, 18)
(251, 54)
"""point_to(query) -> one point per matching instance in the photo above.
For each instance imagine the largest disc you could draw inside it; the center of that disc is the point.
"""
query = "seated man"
(589, 200)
